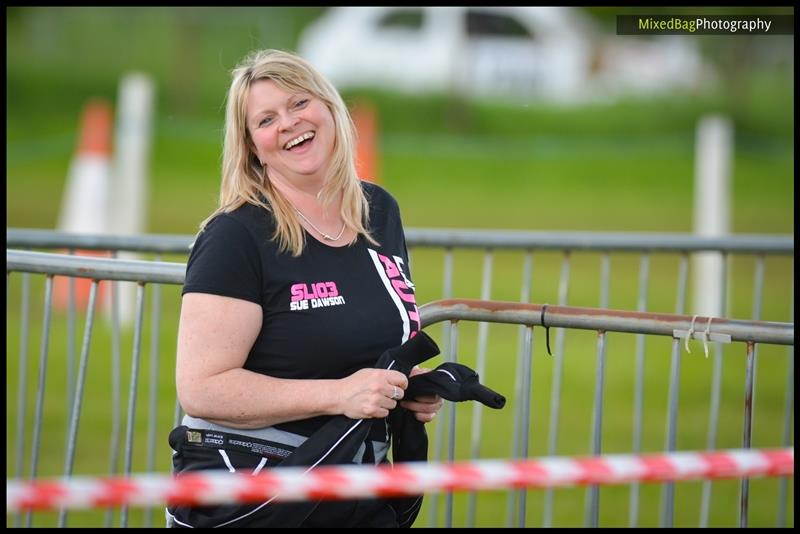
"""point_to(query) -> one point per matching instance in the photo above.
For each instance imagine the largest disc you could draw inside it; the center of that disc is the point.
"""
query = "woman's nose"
(288, 121)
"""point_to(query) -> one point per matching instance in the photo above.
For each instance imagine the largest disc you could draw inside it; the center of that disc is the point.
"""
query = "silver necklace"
(320, 232)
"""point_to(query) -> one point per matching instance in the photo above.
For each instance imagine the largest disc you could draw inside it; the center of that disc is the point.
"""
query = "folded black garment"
(454, 382)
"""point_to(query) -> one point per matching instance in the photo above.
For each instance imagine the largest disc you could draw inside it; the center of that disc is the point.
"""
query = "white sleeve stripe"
(395, 297)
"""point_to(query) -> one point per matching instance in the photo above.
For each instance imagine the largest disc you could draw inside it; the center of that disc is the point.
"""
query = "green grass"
(629, 174)
(471, 182)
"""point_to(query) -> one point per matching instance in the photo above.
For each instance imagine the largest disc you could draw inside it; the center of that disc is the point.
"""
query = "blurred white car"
(555, 53)
(476, 51)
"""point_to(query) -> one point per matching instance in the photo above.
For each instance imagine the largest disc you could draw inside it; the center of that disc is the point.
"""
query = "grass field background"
(626, 166)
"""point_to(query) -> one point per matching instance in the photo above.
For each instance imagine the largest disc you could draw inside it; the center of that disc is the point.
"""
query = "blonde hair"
(244, 179)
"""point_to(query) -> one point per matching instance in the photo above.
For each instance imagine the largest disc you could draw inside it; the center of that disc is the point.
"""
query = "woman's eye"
(265, 121)
(301, 103)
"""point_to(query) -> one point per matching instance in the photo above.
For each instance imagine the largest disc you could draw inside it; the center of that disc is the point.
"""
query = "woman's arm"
(215, 336)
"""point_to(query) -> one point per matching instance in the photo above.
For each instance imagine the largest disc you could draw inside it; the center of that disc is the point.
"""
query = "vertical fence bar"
(447, 292)
(758, 285)
(116, 387)
(137, 345)
(153, 413)
(758, 289)
(37, 422)
(555, 393)
(516, 430)
(683, 271)
(178, 413)
(519, 373)
(748, 421)
(527, 272)
(451, 419)
(593, 500)
(22, 392)
(713, 426)
(638, 393)
(749, 394)
(513, 494)
(787, 438)
(526, 420)
(70, 339)
(525, 296)
(787, 422)
(69, 459)
(668, 492)
(716, 384)
(605, 279)
(477, 412)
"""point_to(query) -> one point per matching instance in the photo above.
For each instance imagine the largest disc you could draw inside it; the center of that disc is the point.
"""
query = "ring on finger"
(395, 394)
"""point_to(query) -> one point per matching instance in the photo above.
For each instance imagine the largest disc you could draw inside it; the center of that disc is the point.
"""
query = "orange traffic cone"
(365, 119)
(85, 203)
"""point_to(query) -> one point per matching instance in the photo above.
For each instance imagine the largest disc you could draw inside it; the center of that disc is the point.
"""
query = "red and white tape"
(344, 482)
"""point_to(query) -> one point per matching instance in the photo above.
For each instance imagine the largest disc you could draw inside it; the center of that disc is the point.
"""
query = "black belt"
(224, 440)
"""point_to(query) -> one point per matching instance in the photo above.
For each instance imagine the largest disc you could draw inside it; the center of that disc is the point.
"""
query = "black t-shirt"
(327, 313)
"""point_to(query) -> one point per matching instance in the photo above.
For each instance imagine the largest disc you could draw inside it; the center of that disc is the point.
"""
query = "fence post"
(713, 155)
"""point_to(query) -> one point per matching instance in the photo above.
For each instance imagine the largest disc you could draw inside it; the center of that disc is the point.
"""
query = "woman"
(295, 286)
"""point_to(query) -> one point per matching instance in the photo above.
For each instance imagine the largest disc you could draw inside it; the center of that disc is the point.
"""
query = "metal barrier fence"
(561, 317)
(489, 239)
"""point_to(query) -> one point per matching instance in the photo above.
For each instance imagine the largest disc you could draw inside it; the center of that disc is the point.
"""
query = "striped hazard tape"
(345, 482)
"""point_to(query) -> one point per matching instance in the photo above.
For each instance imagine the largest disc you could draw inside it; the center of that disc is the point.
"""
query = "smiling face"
(293, 133)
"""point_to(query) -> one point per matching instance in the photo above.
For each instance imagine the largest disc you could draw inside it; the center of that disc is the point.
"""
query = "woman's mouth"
(299, 142)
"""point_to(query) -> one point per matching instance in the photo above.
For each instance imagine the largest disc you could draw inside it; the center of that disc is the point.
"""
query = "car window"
(406, 19)
(484, 24)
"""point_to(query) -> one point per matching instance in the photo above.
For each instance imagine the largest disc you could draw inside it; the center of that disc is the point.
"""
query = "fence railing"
(770, 257)
(445, 238)
(680, 328)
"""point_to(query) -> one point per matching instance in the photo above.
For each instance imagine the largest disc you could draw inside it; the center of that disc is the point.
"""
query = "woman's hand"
(368, 393)
(426, 407)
